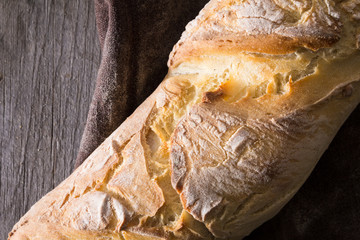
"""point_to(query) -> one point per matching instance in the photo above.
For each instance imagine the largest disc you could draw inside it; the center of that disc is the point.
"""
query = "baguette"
(256, 91)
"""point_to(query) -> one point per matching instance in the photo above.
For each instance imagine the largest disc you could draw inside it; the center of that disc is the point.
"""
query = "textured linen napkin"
(136, 38)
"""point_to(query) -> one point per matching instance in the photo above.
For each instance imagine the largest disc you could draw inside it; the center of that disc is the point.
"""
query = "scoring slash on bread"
(256, 91)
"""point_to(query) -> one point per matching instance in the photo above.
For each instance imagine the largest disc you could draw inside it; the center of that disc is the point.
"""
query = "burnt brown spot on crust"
(209, 97)
(347, 91)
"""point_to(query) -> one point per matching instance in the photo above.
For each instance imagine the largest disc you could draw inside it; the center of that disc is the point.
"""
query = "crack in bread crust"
(264, 159)
(244, 26)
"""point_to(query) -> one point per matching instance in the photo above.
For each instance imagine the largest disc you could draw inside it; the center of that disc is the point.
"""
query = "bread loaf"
(256, 91)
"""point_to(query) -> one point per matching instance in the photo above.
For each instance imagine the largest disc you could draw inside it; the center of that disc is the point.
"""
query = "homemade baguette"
(256, 91)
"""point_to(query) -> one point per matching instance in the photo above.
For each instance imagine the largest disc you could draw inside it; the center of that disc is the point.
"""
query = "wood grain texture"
(49, 55)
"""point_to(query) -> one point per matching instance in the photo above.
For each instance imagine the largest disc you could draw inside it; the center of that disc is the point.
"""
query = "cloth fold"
(136, 38)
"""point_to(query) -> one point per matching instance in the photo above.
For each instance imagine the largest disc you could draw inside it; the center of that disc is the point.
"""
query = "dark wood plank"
(49, 55)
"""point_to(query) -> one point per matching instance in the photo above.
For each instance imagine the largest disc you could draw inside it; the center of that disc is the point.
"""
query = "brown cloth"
(136, 38)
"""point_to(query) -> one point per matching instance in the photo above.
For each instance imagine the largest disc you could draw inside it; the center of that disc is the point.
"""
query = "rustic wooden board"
(49, 55)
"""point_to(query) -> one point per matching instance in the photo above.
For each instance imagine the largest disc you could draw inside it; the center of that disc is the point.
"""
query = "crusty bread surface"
(256, 91)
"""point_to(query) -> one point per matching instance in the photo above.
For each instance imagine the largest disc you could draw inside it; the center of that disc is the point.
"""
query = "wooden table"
(49, 56)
